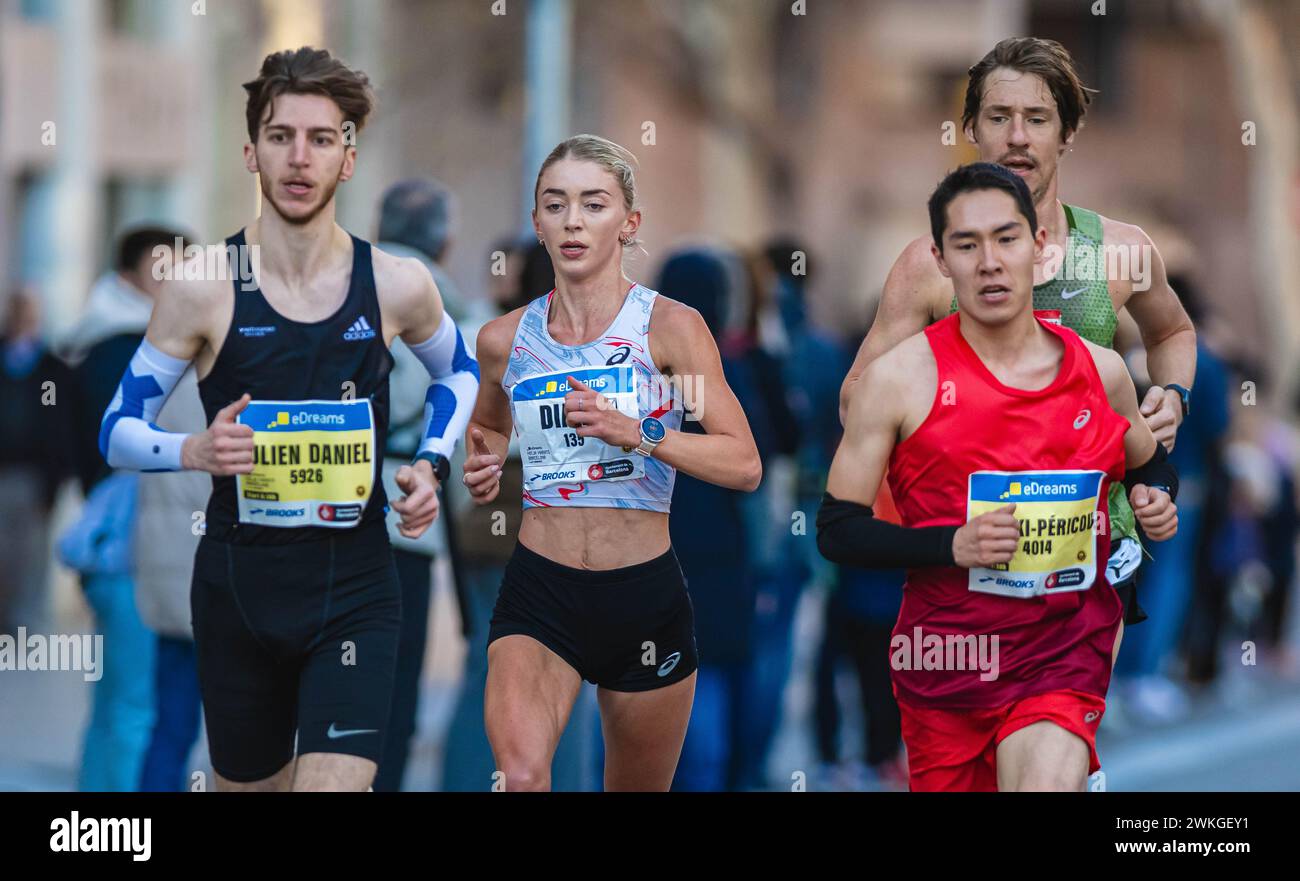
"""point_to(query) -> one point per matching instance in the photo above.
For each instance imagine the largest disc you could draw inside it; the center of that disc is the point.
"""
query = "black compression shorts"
(625, 629)
(297, 639)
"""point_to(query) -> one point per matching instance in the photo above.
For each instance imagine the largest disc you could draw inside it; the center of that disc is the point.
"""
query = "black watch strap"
(441, 467)
(1184, 395)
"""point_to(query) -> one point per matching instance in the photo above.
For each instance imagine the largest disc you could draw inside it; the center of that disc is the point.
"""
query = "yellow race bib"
(1057, 512)
(313, 463)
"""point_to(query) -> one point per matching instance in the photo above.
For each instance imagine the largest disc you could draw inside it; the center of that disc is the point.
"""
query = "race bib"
(1057, 512)
(313, 463)
(551, 451)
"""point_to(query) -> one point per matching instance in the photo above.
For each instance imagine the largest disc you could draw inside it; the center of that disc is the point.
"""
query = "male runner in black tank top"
(295, 600)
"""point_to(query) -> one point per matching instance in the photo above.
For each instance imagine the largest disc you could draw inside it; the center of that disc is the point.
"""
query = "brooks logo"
(360, 330)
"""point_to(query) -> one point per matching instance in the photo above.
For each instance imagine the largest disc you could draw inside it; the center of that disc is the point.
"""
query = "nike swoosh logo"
(335, 733)
(1065, 295)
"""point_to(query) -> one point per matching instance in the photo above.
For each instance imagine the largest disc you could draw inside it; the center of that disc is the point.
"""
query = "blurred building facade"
(749, 119)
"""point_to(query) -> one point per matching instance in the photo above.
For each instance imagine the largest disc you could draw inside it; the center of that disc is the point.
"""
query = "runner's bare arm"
(1167, 332)
(875, 414)
(408, 297)
(1147, 466)
(487, 440)
(910, 299)
(182, 313)
(682, 346)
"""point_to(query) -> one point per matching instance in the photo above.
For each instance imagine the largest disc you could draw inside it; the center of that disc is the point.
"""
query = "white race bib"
(552, 452)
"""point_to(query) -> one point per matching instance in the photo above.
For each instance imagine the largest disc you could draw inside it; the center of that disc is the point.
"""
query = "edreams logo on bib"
(1017, 488)
(303, 417)
(554, 387)
(360, 330)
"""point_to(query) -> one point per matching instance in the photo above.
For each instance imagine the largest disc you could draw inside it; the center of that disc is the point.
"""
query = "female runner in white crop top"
(593, 590)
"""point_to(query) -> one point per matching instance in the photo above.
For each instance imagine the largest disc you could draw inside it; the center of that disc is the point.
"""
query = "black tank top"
(273, 358)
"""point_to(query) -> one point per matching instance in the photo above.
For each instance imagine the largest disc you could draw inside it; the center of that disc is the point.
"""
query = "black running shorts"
(626, 629)
(295, 640)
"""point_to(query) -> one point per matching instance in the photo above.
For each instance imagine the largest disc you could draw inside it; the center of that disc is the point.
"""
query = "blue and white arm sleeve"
(450, 400)
(128, 437)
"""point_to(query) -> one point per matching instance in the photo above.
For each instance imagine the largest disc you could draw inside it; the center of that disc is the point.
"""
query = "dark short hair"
(1047, 59)
(308, 71)
(140, 242)
(418, 213)
(972, 177)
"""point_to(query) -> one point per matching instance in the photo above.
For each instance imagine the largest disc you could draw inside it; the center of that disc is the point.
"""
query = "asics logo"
(1082, 419)
(334, 732)
(1091, 716)
(360, 330)
(1065, 295)
(667, 666)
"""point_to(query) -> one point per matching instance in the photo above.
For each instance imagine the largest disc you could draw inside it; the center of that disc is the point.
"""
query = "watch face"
(653, 429)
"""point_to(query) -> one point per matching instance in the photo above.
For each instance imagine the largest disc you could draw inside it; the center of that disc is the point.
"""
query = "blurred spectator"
(35, 433)
(535, 279)
(709, 536)
(98, 545)
(862, 605)
(168, 524)
(1281, 526)
(859, 620)
(416, 220)
(1166, 582)
(758, 343)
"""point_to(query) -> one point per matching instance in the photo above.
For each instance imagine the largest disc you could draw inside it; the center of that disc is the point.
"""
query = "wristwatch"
(1185, 394)
(441, 467)
(652, 433)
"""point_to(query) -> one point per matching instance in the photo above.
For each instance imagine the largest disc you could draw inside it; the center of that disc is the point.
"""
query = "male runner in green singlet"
(1024, 105)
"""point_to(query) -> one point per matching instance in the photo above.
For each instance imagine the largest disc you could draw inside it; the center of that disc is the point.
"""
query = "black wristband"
(849, 533)
(1158, 471)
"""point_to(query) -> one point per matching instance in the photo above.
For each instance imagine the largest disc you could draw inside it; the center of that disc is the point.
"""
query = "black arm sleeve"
(849, 533)
(1158, 471)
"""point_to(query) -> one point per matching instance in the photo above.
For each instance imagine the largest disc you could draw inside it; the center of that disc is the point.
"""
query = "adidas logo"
(360, 330)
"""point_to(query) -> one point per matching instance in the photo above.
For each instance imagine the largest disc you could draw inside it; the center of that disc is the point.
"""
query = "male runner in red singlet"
(1002, 433)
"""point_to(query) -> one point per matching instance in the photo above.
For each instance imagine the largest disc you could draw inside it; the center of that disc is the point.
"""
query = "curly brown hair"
(308, 71)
